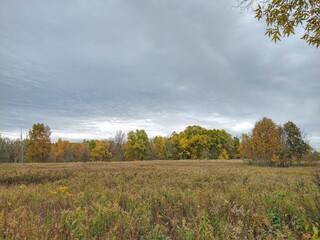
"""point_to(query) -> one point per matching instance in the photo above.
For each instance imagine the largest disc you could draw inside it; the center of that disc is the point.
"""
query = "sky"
(87, 68)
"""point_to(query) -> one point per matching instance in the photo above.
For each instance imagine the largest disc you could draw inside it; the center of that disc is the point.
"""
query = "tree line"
(267, 144)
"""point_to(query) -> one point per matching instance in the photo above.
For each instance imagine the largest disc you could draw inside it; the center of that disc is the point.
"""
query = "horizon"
(110, 135)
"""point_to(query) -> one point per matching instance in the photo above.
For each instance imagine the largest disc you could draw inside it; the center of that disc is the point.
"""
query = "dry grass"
(158, 200)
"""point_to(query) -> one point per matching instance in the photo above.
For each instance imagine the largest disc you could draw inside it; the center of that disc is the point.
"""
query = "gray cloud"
(88, 68)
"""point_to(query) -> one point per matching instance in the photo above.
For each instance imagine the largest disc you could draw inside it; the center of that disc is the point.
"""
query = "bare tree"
(119, 141)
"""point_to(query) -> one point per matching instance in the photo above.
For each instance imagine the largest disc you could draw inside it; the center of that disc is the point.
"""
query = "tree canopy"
(273, 145)
(294, 140)
(267, 144)
(39, 144)
(282, 18)
(137, 146)
(265, 140)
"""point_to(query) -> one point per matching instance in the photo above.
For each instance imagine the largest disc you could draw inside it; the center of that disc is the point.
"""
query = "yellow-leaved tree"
(265, 139)
(101, 151)
(39, 143)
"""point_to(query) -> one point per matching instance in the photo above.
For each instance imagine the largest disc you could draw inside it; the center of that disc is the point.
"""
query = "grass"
(158, 200)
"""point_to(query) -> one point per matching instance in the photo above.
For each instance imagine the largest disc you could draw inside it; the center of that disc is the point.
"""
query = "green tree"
(297, 146)
(220, 141)
(39, 144)
(283, 17)
(90, 143)
(236, 148)
(137, 146)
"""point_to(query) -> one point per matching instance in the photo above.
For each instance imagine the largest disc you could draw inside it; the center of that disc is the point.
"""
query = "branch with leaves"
(282, 17)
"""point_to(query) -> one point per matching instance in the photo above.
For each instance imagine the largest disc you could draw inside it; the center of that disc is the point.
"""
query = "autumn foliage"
(267, 144)
(283, 18)
(272, 145)
(39, 144)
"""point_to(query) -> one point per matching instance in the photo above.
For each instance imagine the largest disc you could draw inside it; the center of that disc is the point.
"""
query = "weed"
(158, 200)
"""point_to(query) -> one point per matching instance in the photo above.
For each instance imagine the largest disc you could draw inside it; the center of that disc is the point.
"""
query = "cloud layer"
(89, 68)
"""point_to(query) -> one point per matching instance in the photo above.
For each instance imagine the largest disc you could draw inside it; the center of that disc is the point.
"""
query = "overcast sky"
(88, 68)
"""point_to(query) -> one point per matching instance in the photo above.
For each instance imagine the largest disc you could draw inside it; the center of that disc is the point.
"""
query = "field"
(158, 200)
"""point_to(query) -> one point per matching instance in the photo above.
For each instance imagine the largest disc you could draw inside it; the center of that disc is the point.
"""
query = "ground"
(158, 200)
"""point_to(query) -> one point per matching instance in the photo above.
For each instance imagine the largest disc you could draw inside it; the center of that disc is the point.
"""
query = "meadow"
(199, 199)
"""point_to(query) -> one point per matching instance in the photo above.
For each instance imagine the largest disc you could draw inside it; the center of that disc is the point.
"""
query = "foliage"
(196, 142)
(274, 145)
(283, 17)
(65, 151)
(294, 140)
(137, 146)
(101, 151)
(90, 143)
(236, 148)
(223, 155)
(265, 140)
(39, 144)
(220, 141)
(268, 144)
(158, 200)
(12, 150)
(246, 147)
(160, 148)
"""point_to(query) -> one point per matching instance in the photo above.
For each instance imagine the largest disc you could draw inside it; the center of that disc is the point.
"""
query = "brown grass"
(158, 200)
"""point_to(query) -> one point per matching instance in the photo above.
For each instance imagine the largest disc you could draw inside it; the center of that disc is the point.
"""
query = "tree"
(297, 146)
(90, 143)
(65, 151)
(283, 17)
(265, 139)
(118, 145)
(101, 151)
(173, 146)
(39, 143)
(83, 152)
(160, 147)
(223, 155)
(192, 143)
(137, 146)
(196, 142)
(4, 149)
(274, 145)
(246, 147)
(199, 146)
(236, 148)
(220, 142)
